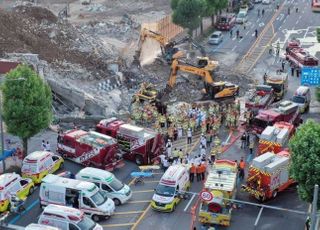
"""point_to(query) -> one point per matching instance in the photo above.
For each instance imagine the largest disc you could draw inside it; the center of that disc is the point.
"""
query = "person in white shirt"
(165, 164)
(169, 148)
(179, 132)
(203, 151)
(189, 136)
(48, 148)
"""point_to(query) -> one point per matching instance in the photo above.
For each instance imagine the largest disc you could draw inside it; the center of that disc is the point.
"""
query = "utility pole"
(314, 207)
(2, 137)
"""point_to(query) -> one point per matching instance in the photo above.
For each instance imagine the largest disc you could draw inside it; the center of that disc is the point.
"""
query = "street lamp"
(1, 125)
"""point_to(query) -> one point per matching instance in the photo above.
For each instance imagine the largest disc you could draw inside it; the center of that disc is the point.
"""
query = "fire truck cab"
(90, 148)
(285, 111)
(298, 56)
(136, 143)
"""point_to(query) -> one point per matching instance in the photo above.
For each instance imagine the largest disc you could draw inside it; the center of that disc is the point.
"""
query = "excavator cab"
(220, 90)
(207, 64)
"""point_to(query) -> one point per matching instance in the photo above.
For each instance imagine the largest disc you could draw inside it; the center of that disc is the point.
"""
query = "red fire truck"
(268, 175)
(90, 149)
(260, 97)
(275, 138)
(136, 143)
(298, 56)
(285, 111)
(226, 21)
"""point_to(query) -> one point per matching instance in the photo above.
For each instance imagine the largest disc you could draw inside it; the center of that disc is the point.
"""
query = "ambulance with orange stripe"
(275, 138)
(268, 175)
(220, 186)
(13, 184)
(39, 164)
(173, 183)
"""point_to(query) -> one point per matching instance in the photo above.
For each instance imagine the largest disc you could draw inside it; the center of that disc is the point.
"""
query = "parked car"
(215, 38)
(257, 1)
(266, 2)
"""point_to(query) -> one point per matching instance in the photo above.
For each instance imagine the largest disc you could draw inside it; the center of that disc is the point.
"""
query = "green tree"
(174, 4)
(305, 154)
(26, 103)
(213, 7)
(188, 14)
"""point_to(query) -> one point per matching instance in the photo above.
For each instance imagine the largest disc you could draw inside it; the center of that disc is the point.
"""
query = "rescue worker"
(192, 172)
(175, 154)
(251, 146)
(169, 148)
(243, 140)
(180, 154)
(213, 153)
(217, 145)
(189, 136)
(242, 166)
(203, 170)
(198, 171)
(256, 33)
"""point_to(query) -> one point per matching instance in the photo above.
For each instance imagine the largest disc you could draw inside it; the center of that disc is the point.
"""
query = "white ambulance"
(40, 227)
(106, 181)
(66, 218)
(83, 195)
(174, 182)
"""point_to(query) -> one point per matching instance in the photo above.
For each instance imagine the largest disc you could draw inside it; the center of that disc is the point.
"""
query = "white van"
(302, 97)
(106, 181)
(40, 227)
(173, 182)
(83, 195)
(66, 218)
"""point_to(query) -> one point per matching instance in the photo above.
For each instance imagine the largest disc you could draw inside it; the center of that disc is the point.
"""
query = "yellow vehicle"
(220, 185)
(215, 90)
(13, 184)
(147, 92)
(39, 164)
(279, 82)
(168, 192)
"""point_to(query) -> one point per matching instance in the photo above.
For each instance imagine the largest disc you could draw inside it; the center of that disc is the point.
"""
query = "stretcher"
(138, 177)
(149, 168)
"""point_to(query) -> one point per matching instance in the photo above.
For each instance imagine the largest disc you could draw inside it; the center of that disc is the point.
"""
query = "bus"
(315, 5)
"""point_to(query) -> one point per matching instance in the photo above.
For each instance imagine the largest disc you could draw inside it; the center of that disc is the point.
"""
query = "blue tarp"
(7, 153)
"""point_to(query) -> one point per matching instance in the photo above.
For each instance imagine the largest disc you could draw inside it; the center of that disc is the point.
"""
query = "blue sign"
(310, 76)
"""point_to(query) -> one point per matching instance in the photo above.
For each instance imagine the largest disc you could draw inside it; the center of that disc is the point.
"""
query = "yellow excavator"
(215, 90)
(170, 51)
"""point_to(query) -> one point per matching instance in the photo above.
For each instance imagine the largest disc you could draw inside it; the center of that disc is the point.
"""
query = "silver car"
(215, 38)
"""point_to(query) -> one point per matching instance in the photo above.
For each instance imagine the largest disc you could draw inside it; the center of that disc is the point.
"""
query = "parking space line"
(142, 191)
(187, 206)
(128, 212)
(140, 218)
(117, 225)
(138, 201)
(151, 181)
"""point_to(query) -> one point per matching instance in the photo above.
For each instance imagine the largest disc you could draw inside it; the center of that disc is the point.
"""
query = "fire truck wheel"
(274, 193)
(138, 160)
(116, 201)
(31, 190)
(95, 218)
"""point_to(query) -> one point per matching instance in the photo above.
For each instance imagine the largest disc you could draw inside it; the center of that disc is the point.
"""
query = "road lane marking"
(151, 181)
(297, 22)
(233, 48)
(128, 212)
(241, 40)
(187, 206)
(247, 32)
(117, 225)
(143, 191)
(138, 201)
(140, 218)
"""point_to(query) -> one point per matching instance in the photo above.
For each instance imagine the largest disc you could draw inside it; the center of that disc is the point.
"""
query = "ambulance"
(66, 218)
(40, 227)
(83, 195)
(13, 184)
(302, 97)
(39, 164)
(117, 191)
(173, 183)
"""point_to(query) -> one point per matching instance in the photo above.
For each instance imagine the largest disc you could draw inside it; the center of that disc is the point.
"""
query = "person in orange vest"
(203, 170)
(198, 171)
(192, 172)
(242, 166)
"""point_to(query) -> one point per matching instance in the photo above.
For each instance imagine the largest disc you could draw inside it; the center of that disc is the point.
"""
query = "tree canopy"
(188, 13)
(27, 103)
(305, 154)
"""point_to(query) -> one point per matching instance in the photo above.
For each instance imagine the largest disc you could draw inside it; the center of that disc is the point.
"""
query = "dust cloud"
(149, 51)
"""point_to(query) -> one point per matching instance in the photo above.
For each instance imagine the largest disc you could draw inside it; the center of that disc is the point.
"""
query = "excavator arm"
(176, 66)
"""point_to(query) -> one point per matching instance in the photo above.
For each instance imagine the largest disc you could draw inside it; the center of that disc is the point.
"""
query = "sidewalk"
(10, 162)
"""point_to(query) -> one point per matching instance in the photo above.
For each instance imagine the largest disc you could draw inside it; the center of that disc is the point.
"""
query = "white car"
(215, 38)
(241, 18)
(266, 2)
